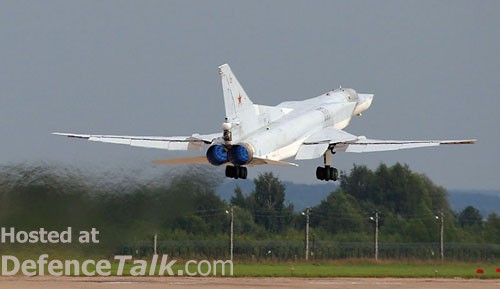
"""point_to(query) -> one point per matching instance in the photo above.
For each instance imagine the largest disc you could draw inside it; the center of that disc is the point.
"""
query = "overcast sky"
(150, 68)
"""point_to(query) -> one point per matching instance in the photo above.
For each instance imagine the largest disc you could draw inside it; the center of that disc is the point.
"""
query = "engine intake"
(217, 155)
(240, 154)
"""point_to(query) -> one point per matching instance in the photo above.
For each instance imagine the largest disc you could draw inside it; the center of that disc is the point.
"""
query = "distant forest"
(185, 207)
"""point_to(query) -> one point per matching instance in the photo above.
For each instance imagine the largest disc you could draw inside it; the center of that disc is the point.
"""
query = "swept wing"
(372, 145)
(194, 142)
(340, 141)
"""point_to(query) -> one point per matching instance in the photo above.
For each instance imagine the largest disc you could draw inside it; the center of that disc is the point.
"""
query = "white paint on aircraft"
(259, 134)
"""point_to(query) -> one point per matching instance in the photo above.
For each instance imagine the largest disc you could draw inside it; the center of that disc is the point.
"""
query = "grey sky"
(150, 68)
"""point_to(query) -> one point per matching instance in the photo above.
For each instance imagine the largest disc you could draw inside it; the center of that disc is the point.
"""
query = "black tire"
(335, 174)
(328, 173)
(237, 172)
(230, 172)
(320, 173)
(244, 173)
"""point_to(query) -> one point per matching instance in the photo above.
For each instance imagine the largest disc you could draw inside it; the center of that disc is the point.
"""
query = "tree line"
(186, 206)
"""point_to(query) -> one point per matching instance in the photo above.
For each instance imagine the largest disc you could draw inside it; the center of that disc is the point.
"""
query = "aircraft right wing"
(371, 145)
(340, 141)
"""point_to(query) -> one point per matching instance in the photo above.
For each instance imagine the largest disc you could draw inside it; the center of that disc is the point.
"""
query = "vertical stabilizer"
(236, 100)
(243, 115)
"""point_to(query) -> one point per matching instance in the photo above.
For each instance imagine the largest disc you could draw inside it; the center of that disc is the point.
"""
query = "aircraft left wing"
(194, 142)
(340, 141)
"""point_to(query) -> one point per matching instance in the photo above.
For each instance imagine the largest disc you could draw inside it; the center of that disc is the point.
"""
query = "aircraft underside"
(324, 173)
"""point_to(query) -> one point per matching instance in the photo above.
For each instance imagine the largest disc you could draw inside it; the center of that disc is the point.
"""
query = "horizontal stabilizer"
(201, 160)
(261, 161)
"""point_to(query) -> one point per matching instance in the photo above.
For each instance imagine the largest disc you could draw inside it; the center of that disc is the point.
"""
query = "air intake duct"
(217, 155)
(240, 154)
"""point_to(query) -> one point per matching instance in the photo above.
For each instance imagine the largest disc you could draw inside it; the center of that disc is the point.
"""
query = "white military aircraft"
(257, 134)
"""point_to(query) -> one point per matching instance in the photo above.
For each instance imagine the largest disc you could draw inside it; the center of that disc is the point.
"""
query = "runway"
(47, 282)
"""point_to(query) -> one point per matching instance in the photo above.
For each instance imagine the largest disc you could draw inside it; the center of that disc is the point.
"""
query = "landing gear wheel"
(243, 173)
(335, 174)
(327, 173)
(236, 172)
(230, 172)
(237, 175)
(320, 173)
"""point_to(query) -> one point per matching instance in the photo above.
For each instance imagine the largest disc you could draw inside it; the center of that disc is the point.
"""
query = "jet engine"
(217, 155)
(240, 154)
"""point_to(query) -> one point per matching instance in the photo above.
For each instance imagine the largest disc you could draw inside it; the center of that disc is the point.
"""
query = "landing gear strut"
(327, 173)
(236, 172)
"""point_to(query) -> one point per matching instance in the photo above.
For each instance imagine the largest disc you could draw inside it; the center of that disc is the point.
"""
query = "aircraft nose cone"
(369, 99)
(365, 100)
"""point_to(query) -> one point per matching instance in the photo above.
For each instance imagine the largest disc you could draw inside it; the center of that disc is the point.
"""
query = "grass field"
(369, 269)
(354, 268)
(344, 268)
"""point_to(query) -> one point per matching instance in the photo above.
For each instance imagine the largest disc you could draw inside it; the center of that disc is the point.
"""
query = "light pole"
(313, 245)
(155, 244)
(376, 234)
(231, 244)
(308, 211)
(441, 235)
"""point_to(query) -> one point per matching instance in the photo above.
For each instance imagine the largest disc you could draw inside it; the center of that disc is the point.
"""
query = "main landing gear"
(236, 172)
(327, 173)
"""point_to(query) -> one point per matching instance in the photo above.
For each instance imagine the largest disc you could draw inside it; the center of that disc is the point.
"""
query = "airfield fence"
(273, 250)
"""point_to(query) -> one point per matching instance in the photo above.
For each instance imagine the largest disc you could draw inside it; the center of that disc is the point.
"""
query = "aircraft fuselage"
(334, 108)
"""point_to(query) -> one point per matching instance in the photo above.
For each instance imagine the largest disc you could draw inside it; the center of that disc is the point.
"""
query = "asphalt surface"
(47, 282)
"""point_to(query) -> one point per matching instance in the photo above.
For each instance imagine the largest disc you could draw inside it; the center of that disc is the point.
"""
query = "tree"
(339, 213)
(492, 229)
(269, 203)
(470, 217)
(409, 200)
(269, 192)
(359, 183)
(238, 199)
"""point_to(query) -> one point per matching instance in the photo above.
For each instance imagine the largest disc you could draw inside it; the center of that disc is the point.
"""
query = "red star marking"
(239, 99)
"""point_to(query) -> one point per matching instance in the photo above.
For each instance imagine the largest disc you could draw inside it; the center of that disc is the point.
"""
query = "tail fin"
(236, 99)
(241, 112)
